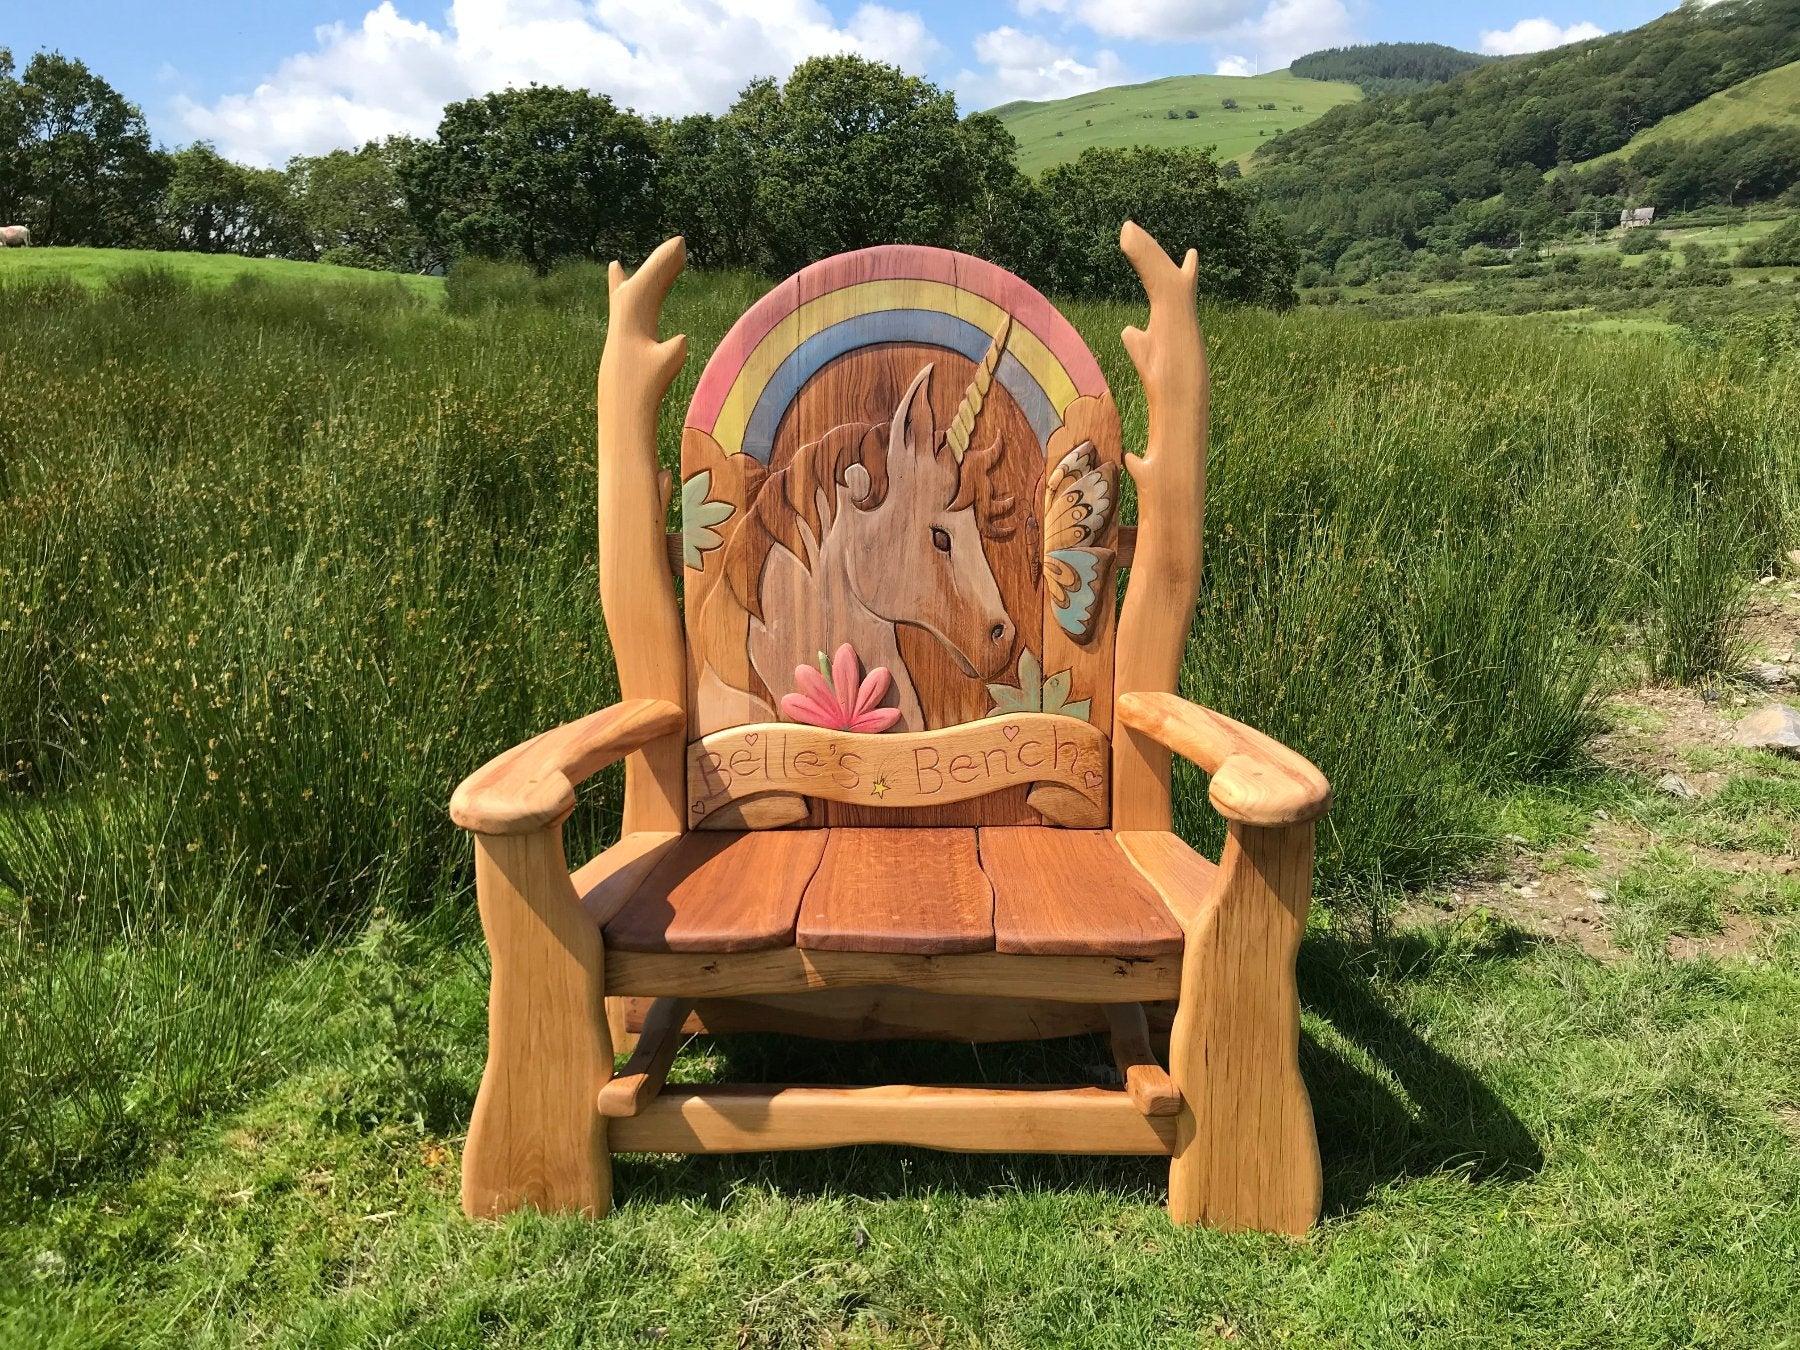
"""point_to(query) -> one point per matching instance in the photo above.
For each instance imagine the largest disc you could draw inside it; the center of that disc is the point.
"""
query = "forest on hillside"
(1388, 67)
(1484, 158)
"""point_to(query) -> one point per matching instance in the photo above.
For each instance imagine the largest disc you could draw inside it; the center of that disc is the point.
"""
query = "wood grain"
(789, 970)
(718, 892)
(643, 1075)
(1255, 780)
(1147, 1083)
(1171, 486)
(963, 1120)
(533, 785)
(905, 890)
(1072, 893)
(535, 1137)
(637, 594)
(1246, 1154)
(900, 769)
(1125, 548)
(1186, 882)
(875, 1013)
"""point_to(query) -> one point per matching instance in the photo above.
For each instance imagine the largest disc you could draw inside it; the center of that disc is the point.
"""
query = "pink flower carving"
(846, 704)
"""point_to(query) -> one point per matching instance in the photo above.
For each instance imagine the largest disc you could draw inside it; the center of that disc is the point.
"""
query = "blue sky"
(273, 78)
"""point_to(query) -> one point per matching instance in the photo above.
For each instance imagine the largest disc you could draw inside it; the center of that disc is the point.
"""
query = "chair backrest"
(910, 453)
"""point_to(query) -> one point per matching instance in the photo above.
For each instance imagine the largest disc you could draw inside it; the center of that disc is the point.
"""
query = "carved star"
(878, 787)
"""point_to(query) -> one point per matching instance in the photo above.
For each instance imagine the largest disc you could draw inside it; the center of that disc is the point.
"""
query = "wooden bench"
(896, 764)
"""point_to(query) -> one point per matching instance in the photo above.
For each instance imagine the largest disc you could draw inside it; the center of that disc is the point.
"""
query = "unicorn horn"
(957, 437)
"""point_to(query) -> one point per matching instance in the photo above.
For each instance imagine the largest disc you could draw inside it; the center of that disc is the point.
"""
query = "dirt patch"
(1653, 727)
(1567, 893)
(1789, 1116)
(1740, 937)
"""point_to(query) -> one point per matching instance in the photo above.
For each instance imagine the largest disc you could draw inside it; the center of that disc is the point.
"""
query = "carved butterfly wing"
(1078, 506)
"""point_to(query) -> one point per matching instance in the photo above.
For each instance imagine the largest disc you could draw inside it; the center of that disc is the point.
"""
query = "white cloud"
(391, 74)
(1025, 65)
(1235, 65)
(1275, 30)
(1535, 35)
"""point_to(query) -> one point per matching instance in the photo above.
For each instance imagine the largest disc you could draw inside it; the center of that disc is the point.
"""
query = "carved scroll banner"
(1068, 761)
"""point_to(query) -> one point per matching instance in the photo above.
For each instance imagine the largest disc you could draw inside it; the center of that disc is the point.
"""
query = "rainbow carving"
(898, 293)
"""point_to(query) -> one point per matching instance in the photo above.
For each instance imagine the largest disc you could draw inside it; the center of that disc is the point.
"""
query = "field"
(94, 267)
(1138, 114)
(292, 559)
(1769, 99)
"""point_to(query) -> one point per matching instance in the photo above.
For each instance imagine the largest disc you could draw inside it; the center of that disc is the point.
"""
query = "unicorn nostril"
(997, 633)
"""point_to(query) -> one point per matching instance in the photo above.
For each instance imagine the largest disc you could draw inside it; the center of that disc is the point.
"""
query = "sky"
(267, 79)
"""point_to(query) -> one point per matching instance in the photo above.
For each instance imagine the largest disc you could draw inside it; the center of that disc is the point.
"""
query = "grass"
(1522, 1146)
(95, 267)
(1138, 114)
(281, 553)
(1769, 99)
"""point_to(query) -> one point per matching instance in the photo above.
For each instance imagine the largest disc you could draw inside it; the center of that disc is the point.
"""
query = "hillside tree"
(76, 162)
(540, 174)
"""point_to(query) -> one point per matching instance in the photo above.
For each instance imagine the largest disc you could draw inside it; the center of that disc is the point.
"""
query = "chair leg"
(537, 1137)
(1246, 1155)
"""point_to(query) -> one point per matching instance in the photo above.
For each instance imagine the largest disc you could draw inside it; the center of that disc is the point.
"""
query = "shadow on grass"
(1389, 1105)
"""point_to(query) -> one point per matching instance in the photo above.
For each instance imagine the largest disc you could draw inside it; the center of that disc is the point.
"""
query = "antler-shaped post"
(1171, 482)
(637, 594)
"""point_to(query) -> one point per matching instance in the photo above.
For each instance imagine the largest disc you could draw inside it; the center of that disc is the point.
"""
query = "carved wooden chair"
(894, 766)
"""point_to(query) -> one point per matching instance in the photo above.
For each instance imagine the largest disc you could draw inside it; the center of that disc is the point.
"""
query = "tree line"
(1493, 154)
(843, 154)
(1387, 67)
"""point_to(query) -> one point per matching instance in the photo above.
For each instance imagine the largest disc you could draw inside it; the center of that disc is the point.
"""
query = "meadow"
(283, 562)
(1058, 130)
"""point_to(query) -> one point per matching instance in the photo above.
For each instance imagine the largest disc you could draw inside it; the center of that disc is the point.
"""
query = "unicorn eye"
(940, 539)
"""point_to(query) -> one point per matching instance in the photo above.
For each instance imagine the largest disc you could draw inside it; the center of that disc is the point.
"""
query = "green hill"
(1465, 161)
(1138, 114)
(95, 266)
(1769, 99)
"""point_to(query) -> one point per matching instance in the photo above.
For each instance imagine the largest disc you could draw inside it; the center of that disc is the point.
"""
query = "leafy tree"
(76, 163)
(708, 189)
(539, 174)
(1780, 248)
(1180, 197)
(353, 205)
(851, 153)
(212, 205)
(1002, 218)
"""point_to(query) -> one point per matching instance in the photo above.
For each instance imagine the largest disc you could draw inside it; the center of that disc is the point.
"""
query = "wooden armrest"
(533, 785)
(1255, 780)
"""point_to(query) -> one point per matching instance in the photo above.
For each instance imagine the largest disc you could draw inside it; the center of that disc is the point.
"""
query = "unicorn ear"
(914, 430)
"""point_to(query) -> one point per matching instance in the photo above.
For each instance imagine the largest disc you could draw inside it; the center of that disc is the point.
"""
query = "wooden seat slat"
(1072, 893)
(720, 892)
(902, 890)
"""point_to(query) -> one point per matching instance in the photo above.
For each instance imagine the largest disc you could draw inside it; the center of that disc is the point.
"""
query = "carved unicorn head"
(915, 554)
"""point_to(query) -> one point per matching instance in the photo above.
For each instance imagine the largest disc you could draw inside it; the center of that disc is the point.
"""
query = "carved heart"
(699, 808)
(1092, 779)
(750, 737)
(1011, 733)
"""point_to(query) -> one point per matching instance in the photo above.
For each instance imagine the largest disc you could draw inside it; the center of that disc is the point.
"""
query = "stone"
(1595, 893)
(1674, 785)
(1766, 673)
(1793, 557)
(1776, 727)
